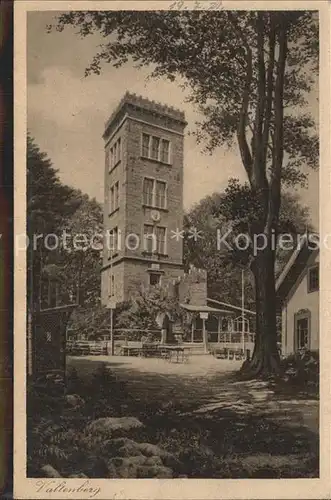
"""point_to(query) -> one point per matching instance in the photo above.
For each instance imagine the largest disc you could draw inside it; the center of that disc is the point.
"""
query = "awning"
(207, 309)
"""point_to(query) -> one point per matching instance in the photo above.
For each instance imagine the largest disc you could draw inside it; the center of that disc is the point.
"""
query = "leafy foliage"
(235, 209)
(301, 369)
(54, 208)
(144, 308)
(49, 204)
(83, 261)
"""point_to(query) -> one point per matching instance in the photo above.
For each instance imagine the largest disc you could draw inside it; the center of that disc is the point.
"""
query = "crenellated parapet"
(131, 101)
(190, 288)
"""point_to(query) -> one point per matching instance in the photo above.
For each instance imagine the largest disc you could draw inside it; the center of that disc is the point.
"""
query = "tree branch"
(278, 139)
(269, 89)
(245, 152)
(260, 105)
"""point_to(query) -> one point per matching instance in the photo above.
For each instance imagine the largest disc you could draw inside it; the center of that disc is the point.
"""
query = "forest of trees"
(53, 207)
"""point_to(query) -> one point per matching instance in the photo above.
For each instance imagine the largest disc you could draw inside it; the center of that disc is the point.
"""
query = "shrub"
(302, 369)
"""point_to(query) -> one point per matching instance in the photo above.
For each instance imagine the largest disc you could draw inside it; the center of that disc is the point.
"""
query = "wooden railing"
(136, 335)
(231, 337)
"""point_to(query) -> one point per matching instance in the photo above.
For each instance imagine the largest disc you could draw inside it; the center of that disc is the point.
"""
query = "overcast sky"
(67, 112)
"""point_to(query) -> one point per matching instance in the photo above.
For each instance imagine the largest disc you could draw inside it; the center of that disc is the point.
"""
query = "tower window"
(113, 201)
(115, 154)
(155, 148)
(155, 193)
(160, 240)
(154, 279)
(160, 194)
(110, 199)
(148, 191)
(313, 279)
(165, 149)
(113, 242)
(145, 148)
(155, 239)
(116, 195)
(149, 238)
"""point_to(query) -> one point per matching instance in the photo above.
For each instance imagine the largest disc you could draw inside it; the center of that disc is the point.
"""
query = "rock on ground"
(139, 460)
(138, 467)
(74, 400)
(124, 447)
(49, 471)
(150, 450)
(155, 471)
(112, 425)
(125, 467)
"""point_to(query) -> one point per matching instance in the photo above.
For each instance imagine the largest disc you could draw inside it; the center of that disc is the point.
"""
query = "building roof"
(197, 308)
(294, 268)
(154, 107)
(231, 306)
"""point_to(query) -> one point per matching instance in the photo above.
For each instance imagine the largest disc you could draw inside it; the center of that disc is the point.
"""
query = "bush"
(302, 369)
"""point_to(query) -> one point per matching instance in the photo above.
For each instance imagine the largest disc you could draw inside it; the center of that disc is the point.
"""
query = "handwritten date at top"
(182, 5)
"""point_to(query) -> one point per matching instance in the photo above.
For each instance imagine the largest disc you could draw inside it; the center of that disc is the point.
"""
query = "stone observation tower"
(143, 209)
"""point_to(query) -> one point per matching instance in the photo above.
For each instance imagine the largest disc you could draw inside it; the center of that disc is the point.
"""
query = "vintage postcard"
(172, 276)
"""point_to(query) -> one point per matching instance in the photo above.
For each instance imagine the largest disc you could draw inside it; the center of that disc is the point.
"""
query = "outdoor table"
(178, 351)
(128, 350)
(149, 350)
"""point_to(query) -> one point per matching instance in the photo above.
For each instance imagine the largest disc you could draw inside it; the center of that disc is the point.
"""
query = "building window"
(155, 148)
(154, 239)
(113, 242)
(302, 332)
(155, 193)
(113, 201)
(115, 154)
(165, 151)
(149, 238)
(119, 150)
(145, 148)
(154, 279)
(160, 240)
(116, 195)
(313, 279)
(148, 191)
(160, 194)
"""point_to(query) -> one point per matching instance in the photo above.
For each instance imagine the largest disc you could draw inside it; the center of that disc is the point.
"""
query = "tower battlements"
(190, 288)
(131, 101)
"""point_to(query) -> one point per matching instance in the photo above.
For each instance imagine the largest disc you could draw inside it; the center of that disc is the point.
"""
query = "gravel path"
(227, 428)
(203, 385)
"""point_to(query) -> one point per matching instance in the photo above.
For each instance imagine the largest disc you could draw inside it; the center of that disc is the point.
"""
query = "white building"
(298, 295)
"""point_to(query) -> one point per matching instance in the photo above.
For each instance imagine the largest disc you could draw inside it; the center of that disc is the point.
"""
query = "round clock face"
(155, 215)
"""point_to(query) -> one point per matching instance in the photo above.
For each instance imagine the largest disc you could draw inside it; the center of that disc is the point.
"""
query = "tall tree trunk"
(265, 360)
